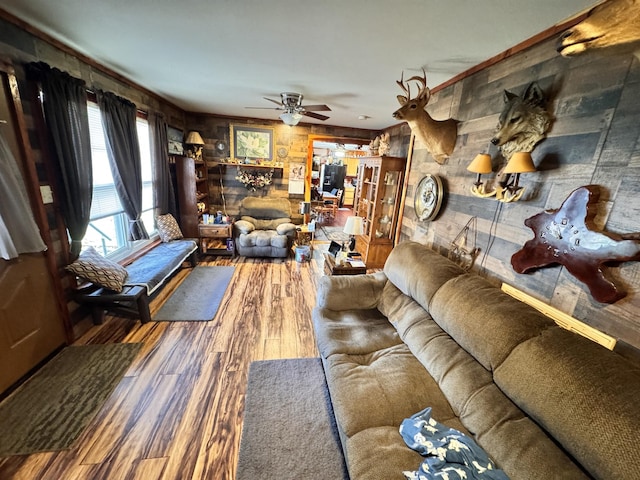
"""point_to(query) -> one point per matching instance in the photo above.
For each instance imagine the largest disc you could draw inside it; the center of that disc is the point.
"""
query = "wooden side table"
(331, 268)
(304, 236)
(216, 239)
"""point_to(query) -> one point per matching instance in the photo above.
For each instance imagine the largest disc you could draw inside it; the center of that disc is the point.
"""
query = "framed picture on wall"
(175, 137)
(248, 141)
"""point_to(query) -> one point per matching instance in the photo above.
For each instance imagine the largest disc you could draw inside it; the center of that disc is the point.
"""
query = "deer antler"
(422, 81)
(402, 86)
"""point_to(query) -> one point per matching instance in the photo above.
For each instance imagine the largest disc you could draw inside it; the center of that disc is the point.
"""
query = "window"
(108, 230)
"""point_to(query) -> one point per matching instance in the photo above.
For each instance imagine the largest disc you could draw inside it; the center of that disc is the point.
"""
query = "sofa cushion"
(265, 207)
(263, 238)
(285, 228)
(244, 226)
(418, 271)
(561, 380)
(354, 332)
(346, 292)
(485, 321)
(386, 461)
(379, 388)
(266, 223)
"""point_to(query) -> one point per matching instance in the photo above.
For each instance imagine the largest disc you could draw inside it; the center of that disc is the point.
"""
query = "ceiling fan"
(291, 104)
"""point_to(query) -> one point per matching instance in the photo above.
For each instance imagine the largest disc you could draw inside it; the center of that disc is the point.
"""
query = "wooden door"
(31, 320)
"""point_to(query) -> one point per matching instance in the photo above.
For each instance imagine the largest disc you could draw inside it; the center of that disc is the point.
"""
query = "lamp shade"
(521, 162)
(354, 226)
(480, 164)
(194, 138)
(290, 118)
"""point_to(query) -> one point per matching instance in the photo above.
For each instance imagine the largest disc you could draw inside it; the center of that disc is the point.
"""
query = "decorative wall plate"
(282, 152)
(221, 146)
(428, 197)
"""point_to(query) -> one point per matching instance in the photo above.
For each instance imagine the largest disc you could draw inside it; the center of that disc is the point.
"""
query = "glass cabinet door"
(387, 208)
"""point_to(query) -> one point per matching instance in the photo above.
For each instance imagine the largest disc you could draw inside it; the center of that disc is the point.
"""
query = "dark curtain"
(66, 117)
(164, 197)
(121, 136)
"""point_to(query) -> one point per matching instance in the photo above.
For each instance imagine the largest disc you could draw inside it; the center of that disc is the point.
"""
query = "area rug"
(289, 431)
(198, 297)
(334, 233)
(51, 409)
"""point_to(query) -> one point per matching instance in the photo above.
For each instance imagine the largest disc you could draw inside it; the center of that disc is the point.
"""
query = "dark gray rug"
(289, 431)
(51, 409)
(198, 297)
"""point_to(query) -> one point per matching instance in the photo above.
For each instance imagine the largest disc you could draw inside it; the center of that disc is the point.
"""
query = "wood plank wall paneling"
(594, 139)
(225, 190)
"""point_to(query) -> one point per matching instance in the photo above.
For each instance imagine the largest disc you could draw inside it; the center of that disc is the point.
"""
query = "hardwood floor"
(177, 413)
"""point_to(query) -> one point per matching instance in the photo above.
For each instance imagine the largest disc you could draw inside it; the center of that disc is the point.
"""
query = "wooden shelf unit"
(377, 201)
(192, 188)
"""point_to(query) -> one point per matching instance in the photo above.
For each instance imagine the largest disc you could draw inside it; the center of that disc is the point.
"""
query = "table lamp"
(354, 226)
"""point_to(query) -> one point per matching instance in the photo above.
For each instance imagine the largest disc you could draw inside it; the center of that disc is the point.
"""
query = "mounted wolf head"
(523, 122)
(614, 22)
(438, 136)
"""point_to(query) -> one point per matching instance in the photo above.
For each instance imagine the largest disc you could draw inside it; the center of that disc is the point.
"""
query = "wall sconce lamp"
(520, 162)
(509, 189)
(353, 226)
(481, 164)
(291, 118)
(195, 142)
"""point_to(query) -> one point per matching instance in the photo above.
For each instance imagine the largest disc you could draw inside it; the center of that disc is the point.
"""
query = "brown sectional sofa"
(543, 402)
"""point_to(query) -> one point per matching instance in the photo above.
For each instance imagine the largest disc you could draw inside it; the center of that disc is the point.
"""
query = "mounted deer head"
(438, 136)
(614, 22)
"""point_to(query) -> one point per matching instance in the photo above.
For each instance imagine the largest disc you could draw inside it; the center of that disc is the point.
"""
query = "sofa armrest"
(350, 292)
(243, 226)
(285, 228)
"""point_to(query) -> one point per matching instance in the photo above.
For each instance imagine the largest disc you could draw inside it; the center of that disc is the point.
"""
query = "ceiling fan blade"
(274, 101)
(265, 108)
(315, 115)
(316, 108)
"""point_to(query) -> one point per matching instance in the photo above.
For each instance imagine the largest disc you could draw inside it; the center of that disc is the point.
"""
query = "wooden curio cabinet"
(192, 191)
(378, 202)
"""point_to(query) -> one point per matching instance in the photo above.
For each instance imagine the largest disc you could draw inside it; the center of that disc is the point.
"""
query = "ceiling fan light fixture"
(291, 118)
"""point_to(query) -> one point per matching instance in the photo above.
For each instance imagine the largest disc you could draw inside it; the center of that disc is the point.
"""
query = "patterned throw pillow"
(93, 267)
(168, 228)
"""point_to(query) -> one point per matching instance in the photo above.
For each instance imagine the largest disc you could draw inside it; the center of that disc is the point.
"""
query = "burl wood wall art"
(568, 237)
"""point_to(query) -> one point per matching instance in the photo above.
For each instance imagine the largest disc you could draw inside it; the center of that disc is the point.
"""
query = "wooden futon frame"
(146, 274)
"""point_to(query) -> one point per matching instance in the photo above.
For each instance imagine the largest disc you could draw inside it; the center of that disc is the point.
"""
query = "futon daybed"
(543, 402)
(143, 277)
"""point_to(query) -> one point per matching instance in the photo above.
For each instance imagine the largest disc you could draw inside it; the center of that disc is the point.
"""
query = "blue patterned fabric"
(450, 454)
(155, 266)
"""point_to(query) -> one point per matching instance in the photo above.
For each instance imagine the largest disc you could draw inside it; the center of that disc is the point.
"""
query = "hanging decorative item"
(254, 180)
(567, 237)
(438, 136)
(463, 250)
(428, 197)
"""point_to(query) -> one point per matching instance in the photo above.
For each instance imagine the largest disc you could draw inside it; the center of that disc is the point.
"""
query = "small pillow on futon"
(93, 267)
(168, 228)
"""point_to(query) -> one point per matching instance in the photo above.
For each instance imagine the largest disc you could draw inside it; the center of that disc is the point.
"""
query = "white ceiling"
(219, 56)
